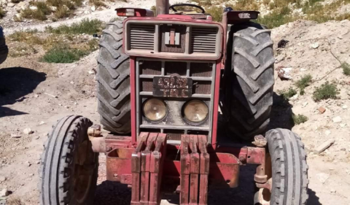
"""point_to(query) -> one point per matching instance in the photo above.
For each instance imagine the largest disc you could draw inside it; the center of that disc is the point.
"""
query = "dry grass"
(281, 11)
(40, 13)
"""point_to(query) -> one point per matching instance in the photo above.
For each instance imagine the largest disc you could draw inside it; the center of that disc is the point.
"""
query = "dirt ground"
(36, 95)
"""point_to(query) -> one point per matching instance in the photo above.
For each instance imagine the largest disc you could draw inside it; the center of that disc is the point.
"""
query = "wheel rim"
(263, 195)
(83, 171)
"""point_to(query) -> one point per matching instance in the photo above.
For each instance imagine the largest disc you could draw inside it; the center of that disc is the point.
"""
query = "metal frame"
(211, 96)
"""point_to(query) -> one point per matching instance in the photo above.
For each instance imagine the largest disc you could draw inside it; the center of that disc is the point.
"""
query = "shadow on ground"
(15, 83)
(281, 113)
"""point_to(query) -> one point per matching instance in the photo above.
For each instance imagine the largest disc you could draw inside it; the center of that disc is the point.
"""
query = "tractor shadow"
(281, 113)
(15, 83)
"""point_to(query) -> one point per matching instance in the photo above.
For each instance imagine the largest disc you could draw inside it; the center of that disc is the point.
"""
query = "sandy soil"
(37, 94)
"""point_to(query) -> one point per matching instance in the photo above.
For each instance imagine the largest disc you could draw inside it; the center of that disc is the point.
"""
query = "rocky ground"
(36, 94)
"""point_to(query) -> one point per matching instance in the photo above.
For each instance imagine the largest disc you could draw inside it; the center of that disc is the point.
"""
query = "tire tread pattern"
(113, 81)
(252, 80)
(57, 162)
(289, 168)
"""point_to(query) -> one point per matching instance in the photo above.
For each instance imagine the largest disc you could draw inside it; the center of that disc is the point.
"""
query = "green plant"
(326, 91)
(62, 12)
(2, 13)
(303, 83)
(63, 54)
(286, 94)
(97, 3)
(346, 68)
(276, 18)
(299, 119)
(85, 26)
(40, 13)
(93, 45)
(28, 37)
(154, 9)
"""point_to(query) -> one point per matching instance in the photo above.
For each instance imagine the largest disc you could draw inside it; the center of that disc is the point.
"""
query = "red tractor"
(165, 85)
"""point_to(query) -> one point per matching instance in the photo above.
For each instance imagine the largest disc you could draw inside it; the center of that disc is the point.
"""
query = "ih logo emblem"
(172, 38)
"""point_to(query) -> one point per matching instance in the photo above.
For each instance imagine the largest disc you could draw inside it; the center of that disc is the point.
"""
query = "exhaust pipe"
(162, 6)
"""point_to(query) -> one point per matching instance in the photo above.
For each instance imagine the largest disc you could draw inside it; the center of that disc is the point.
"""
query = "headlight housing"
(195, 112)
(154, 109)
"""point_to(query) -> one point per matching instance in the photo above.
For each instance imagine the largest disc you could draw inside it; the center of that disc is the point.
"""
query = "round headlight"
(196, 111)
(154, 109)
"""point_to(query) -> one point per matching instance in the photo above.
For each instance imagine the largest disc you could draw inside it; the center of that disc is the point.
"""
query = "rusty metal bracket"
(195, 165)
(147, 166)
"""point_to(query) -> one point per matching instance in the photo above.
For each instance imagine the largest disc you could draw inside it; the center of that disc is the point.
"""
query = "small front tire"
(286, 169)
(69, 167)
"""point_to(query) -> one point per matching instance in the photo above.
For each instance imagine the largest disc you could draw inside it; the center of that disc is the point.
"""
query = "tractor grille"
(203, 77)
(142, 36)
(204, 39)
(177, 40)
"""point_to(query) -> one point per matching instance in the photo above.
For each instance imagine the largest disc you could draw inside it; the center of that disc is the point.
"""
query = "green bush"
(85, 26)
(299, 119)
(63, 54)
(346, 68)
(326, 91)
(303, 83)
(2, 13)
(39, 14)
(286, 94)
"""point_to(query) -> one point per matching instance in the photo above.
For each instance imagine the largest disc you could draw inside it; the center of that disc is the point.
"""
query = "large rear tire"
(287, 171)
(69, 167)
(252, 80)
(113, 81)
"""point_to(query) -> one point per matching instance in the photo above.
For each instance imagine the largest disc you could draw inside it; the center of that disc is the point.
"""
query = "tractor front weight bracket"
(152, 166)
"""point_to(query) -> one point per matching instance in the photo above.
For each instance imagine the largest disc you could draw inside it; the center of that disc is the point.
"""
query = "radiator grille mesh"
(142, 36)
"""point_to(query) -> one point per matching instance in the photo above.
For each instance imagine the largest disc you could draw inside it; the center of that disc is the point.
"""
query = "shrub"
(299, 119)
(28, 37)
(286, 94)
(97, 3)
(85, 26)
(346, 68)
(326, 91)
(63, 54)
(303, 83)
(2, 13)
(40, 13)
(276, 18)
(62, 12)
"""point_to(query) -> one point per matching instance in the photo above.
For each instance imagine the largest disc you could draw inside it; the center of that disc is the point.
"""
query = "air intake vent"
(142, 37)
(204, 40)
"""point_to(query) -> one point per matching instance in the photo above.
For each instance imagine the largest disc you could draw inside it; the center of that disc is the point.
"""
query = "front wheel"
(69, 166)
(286, 169)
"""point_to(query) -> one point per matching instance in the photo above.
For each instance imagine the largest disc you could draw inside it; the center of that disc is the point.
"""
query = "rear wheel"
(68, 165)
(286, 169)
(113, 81)
(251, 80)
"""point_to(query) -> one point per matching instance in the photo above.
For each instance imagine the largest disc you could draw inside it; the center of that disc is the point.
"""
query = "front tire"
(288, 171)
(69, 167)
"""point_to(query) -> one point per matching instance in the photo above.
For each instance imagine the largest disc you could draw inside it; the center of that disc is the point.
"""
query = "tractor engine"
(176, 61)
